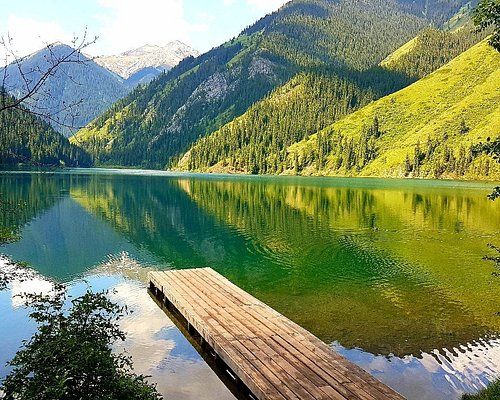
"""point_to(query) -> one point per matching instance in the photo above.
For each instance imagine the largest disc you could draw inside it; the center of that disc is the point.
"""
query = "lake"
(389, 272)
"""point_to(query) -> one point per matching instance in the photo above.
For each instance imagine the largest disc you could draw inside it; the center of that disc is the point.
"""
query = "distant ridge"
(146, 62)
(93, 87)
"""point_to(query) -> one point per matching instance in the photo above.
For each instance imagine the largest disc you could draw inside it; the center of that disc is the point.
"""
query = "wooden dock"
(270, 355)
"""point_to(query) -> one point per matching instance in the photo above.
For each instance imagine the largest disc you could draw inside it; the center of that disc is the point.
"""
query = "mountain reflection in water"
(390, 272)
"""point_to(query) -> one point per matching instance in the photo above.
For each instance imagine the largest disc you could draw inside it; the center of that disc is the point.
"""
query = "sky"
(122, 25)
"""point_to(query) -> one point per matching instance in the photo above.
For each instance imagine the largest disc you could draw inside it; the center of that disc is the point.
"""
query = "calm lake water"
(390, 272)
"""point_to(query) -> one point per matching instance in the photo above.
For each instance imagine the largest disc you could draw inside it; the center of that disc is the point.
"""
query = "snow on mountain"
(147, 56)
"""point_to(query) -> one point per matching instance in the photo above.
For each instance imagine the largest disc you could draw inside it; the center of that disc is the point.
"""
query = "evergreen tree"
(486, 15)
(26, 139)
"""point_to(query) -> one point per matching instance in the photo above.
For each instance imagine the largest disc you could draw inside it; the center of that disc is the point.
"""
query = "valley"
(243, 199)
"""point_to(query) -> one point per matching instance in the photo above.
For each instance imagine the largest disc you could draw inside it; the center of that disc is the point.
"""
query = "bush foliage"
(71, 355)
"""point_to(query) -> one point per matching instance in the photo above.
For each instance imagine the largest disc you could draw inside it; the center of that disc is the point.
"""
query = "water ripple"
(440, 375)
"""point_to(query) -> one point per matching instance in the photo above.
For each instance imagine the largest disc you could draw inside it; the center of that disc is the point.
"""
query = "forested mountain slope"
(256, 142)
(438, 11)
(444, 125)
(431, 49)
(27, 139)
(156, 124)
(90, 88)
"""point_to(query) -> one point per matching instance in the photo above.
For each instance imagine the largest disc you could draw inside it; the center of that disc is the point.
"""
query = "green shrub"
(71, 355)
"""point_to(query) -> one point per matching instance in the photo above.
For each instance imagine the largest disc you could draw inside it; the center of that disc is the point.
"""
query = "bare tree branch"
(34, 79)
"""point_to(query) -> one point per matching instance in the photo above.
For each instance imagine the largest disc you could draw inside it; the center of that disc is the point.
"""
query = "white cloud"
(267, 5)
(126, 24)
(25, 281)
(29, 35)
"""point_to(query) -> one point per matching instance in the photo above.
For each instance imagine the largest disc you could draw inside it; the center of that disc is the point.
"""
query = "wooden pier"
(271, 356)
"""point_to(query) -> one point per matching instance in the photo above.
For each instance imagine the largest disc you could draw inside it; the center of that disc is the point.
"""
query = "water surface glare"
(390, 272)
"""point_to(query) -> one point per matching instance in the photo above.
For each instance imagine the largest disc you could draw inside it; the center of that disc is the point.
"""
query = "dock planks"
(273, 357)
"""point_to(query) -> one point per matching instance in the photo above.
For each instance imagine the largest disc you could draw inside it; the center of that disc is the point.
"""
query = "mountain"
(441, 12)
(154, 125)
(143, 76)
(87, 85)
(26, 139)
(444, 125)
(462, 17)
(432, 49)
(143, 64)
(257, 141)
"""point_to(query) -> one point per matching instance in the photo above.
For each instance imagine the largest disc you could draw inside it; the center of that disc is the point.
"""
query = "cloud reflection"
(441, 375)
(24, 281)
(160, 350)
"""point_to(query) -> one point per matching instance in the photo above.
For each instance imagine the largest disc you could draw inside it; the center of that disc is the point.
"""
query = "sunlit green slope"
(433, 128)
(257, 141)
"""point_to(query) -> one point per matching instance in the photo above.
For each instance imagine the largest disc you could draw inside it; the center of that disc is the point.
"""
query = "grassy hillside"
(153, 126)
(437, 127)
(256, 142)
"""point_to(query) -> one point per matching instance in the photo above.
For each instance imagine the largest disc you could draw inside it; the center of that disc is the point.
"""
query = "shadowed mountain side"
(77, 92)
(27, 139)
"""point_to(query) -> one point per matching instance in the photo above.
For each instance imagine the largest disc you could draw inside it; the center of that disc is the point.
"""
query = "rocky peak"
(147, 56)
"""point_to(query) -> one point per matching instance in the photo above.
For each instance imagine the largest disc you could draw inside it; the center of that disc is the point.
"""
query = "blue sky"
(125, 24)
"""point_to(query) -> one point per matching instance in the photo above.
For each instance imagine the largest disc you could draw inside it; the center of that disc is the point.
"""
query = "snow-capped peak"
(160, 57)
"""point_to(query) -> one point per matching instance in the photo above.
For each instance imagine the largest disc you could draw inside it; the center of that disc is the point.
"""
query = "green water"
(388, 271)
